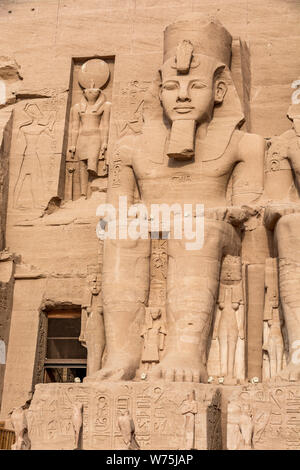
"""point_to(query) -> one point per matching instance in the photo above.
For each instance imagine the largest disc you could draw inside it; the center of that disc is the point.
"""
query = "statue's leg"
(95, 340)
(288, 244)
(83, 177)
(232, 342)
(18, 187)
(192, 287)
(273, 359)
(125, 291)
(223, 354)
(279, 355)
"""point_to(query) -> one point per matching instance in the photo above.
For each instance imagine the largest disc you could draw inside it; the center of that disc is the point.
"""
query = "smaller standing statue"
(127, 428)
(230, 316)
(92, 335)
(90, 124)
(273, 341)
(77, 420)
(31, 165)
(154, 336)
(240, 425)
(19, 422)
(189, 409)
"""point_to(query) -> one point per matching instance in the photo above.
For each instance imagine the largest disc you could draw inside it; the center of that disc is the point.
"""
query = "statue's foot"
(114, 370)
(290, 373)
(174, 369)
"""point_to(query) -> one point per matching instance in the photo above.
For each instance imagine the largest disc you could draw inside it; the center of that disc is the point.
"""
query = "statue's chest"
(181, 172)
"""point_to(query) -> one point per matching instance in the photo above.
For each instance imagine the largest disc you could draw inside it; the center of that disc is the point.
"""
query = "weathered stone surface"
(191, 110)
(158, 412)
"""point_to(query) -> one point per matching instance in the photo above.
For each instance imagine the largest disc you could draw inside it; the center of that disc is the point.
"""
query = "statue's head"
(193, 94)
(94, 279)
(155, 313)
(33, 111)
(91, 94)
(194, 77)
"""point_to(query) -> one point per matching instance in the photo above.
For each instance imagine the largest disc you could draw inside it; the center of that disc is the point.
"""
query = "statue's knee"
(288, 225)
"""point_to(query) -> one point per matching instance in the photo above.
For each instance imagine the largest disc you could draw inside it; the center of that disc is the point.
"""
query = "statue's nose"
(183, 93)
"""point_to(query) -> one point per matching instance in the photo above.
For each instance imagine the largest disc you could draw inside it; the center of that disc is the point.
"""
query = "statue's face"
(155, 313)
(189, 97)
(92, 94)
(94, 284)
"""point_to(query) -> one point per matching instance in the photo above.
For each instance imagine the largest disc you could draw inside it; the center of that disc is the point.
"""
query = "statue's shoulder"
(250, 144)
(76, 107)
(125, 149)
(248, 138)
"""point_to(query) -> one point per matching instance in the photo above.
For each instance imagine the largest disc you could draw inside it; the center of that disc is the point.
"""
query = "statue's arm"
(293, 154)
(218, 313)
(248, 175)
(105, 126)
(121, 180)
(75, 124)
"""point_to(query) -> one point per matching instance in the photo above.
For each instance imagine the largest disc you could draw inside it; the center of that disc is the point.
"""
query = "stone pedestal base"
(158, 411)
(262, 416)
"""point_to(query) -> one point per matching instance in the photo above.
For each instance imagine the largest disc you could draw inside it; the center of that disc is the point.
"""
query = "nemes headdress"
(201, 46)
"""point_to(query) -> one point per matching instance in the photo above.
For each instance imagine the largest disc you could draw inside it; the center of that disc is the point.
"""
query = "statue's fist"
(221, 306)
(102, 151)
(235, 305)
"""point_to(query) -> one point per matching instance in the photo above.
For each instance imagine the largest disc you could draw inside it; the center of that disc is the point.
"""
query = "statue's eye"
(198, 85)
(170, 86)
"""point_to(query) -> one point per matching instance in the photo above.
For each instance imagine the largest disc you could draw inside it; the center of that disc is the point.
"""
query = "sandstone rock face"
(149, 231)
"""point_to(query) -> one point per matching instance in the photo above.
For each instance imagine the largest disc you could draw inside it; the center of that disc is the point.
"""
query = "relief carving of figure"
(200, 139)
(31, 164)
(189, 409)
(127, 428)
(273, 340)
(283, 215)
(90, 124)
(230, 316)
(19, 422)
(153, 333)
(92, 334)
(240, 425)
(77, 421)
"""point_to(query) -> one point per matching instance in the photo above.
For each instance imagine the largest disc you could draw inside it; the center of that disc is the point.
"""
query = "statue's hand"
(235, 305)
(221, 306)
(103, 149)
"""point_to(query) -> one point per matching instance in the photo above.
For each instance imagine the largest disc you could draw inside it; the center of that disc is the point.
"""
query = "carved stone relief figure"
(189, 409)
(92, 333)
(77, 421)
(284, 216)
(127, 428)
(31, 164)
(153, 334)
(89, 126)
(230, 317)
(18, 417)
(273, 344)
(202, 102)
(240, 424)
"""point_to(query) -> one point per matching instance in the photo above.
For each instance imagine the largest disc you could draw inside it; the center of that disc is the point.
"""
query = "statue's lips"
(183, 109)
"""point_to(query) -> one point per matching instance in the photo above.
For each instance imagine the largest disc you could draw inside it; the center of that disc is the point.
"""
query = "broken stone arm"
(75, 125)
(105, 127)
(248, 174)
